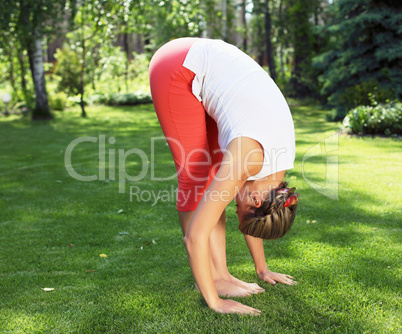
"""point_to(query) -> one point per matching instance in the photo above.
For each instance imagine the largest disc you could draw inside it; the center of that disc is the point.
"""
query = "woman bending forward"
(231, 135)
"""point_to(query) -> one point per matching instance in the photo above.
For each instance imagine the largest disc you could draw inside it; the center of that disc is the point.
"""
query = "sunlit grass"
(53, 228)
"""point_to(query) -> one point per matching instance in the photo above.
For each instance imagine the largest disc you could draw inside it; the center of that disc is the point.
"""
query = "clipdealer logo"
(112, 161)
(116, 160)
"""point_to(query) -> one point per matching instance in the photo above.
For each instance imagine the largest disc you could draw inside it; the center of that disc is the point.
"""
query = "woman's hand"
(231, 306)
(272, 278)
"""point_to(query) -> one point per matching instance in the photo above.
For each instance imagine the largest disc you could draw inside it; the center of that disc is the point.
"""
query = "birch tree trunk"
(35, 54)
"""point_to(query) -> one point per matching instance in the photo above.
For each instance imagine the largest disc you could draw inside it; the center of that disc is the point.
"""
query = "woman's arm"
(230, 178)
(256, 248)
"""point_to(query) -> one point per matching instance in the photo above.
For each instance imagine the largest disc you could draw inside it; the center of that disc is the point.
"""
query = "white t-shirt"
(243, 100)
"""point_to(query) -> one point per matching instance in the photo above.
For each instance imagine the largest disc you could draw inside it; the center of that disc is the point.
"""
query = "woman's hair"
(271, 220)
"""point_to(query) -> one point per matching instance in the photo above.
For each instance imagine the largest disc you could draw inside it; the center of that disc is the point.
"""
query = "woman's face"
(246, 203)
(253, 194)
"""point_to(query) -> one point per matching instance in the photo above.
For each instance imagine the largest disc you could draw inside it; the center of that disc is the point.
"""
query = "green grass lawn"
(345, 253)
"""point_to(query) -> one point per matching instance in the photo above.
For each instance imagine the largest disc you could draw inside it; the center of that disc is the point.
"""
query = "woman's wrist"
(261, 268)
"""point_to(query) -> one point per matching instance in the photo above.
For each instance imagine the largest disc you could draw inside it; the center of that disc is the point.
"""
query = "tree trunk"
(281, 39)
(282, 62)
(82, 82)
(270, 53)
(35, 54)
(127, 52)
(260, 58)
(301, 36)
(22, 72)
(244, 22)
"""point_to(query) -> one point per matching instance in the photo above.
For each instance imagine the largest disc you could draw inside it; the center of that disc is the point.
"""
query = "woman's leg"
(223, 286)
(184, 218)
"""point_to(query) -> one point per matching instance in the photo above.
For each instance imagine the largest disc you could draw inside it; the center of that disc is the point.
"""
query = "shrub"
(97, 99)
(128, 99)
(364, 94)
(58, 101)
(76, 100)
(383, 119)
(336, 115)
(68, 70)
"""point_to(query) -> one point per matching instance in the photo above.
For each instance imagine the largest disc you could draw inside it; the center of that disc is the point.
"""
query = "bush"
(97, 99)
(68, 70)
(76, 101)
(364, 94)
(383, 119)
(336, 115)
(115, 99)
(113, 76)
(128, 99)
(58, 101)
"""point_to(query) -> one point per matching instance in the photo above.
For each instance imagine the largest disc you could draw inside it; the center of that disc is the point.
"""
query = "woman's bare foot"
(227, 289)
(251, 287)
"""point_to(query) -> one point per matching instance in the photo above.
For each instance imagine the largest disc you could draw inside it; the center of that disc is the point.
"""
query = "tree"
(95, 22)
(171, 19)
(243, 29)
(268, 40)
(262, 34)
(300, 29)
(211, 19)
(281, 38)
(31, 20)
(366, 54)
(257, 31)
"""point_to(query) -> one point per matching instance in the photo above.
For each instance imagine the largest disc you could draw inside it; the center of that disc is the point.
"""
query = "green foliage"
(58, 101)
(212, 19)
(301, 31)
(111, 65)
(257, 27)
(126, 75)
(114, 99)
(111, 68)
(366, 49)
(29, 17)
(172, 19)
(128, 99)
(364, 94)
(384, 119)
(68, 68)
(76, 100)
(14, 66)
(28, 22)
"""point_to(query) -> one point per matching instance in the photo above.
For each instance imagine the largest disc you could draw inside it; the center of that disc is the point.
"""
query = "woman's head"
(271, 217)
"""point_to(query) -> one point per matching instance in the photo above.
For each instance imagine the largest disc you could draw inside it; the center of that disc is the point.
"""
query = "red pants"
(191, 134)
